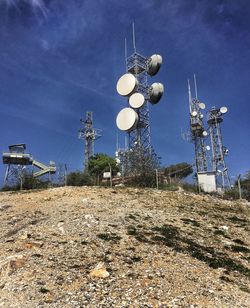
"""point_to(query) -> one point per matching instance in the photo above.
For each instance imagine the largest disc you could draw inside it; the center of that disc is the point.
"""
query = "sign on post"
(106, 175)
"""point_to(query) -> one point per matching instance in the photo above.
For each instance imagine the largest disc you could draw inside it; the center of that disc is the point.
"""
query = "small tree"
(141, 166)
(178, 171)
(100, 163)
(245, 186)
(78, 178)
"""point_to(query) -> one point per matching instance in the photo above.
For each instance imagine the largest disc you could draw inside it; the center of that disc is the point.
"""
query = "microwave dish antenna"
(136, 100)
(154, 64)
(155, 92)
(126, 84)
(223, 110)
(127, 119)
(202, 106)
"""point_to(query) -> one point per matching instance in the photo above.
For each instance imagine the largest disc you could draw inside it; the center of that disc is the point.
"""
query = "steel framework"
(215, 118)
(136, 64)
(17, 160)
(89, 134)
(197, 132)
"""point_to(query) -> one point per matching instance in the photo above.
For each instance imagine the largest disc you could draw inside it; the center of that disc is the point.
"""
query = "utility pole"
(157, 179)
(110, 170)
(65, 175)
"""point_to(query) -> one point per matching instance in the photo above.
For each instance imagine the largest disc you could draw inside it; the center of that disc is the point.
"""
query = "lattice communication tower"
(197, 130)
(219, 151)
(89, 135)
(133, 85)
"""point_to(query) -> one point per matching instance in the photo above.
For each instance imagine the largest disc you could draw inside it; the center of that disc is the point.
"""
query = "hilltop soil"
(97, 247)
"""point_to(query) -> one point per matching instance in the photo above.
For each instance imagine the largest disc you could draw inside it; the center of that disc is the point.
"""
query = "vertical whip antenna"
(189, 97)
(117, 142)
(195, 86)
(134, 37)
(126, 53)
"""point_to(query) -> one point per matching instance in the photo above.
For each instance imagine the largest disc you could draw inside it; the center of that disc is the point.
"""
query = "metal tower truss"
(140, 136)
(89, 134)
(197, 132)
(134, 119)
(215, 118)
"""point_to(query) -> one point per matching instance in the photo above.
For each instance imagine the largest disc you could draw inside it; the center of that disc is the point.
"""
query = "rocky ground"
(97, 247)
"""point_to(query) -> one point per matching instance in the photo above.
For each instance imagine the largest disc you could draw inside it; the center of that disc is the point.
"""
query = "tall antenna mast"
(89, 134)
(197, 130)
(134, 37)
(195, 86)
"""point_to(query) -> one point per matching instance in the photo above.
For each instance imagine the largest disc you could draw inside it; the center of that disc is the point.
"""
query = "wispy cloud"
(35, 5)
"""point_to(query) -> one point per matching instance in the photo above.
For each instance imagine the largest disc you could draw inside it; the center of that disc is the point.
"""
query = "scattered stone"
(99, 271)
(102, 247)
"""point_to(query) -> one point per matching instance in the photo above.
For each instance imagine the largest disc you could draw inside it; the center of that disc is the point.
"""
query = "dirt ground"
(122, 247)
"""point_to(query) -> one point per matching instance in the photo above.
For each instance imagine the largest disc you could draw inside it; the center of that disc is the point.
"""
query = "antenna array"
(134, 85)
(197, 130)
(215, 118)
(198, 135)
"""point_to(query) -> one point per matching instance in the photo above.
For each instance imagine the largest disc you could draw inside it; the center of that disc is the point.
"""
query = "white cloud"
(36, 5)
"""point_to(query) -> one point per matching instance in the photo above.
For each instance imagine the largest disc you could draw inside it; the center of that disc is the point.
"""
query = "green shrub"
(78, 178)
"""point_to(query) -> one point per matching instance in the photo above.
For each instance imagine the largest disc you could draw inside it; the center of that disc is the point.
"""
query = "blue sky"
(60, 59)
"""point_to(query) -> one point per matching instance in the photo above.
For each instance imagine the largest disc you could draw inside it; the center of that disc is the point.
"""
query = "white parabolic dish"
(194, 113)
(136, 100)
(208, 147)
(155, 92)
(126, 84)
(202, 105)
(154, 64)
(204, 133)
(126, 119)
(223, 109)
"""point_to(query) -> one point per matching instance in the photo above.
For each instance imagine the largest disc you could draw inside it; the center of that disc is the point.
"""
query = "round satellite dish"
(126, 119)
(202, 105)
(154, 64)
(155, 92)
(223, 109)
(204, 133)
(194, 113)
(208, 148)
(117, 160)
(201, 116)
(126, 84)
(136, 100)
